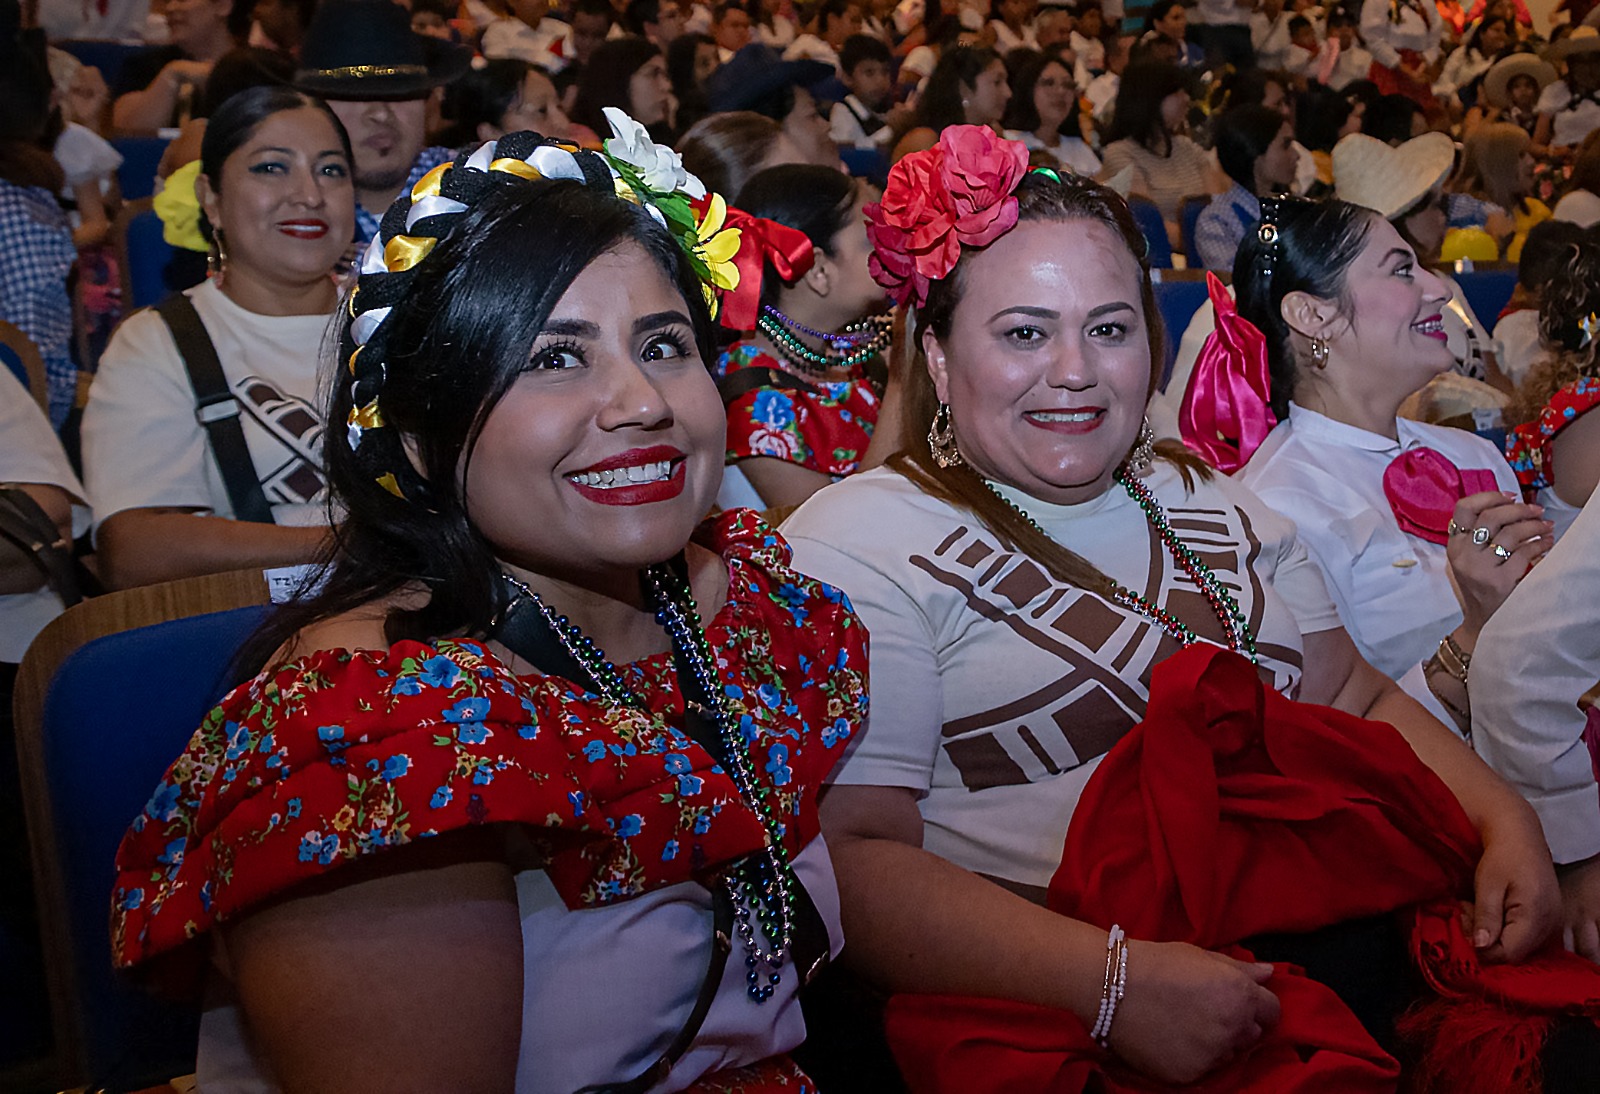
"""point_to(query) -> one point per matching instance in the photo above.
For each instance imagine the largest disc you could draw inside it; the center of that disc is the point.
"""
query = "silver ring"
(1480, 536)
(1457, 529)
(1501, 553)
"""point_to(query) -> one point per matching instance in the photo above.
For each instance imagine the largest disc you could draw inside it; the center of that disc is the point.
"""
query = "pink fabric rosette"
(957, 192)
(1227, 411)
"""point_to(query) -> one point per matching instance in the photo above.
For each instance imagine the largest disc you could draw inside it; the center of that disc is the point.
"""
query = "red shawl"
(1232, 811)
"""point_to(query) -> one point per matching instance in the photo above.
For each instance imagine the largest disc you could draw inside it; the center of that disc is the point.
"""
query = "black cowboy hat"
(364, 50)
(754, 73)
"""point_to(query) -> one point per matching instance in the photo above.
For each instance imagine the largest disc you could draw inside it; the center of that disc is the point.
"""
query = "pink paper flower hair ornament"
(959, 192)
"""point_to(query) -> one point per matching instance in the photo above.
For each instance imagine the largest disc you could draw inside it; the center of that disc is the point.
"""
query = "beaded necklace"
(762, 884)
(846, 339)
(1234, 624)
(819, 363)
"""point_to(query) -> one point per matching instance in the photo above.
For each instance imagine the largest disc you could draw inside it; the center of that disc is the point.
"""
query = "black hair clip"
(1267, 234)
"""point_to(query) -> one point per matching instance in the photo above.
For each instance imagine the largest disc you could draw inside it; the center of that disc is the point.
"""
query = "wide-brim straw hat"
(365, 50)
(1497, 81)
(1583, 39)
(1390, 180)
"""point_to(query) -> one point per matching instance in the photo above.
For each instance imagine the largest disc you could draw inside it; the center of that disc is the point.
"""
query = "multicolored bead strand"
(1234, 624)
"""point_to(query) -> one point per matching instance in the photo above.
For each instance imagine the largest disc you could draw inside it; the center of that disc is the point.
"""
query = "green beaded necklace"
(1234, 623)
(803, 356)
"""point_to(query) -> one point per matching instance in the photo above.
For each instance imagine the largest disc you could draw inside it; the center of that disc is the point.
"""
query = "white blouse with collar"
(1393, 589)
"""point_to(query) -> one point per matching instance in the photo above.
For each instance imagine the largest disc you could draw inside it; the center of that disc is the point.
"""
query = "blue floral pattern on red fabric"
(334, 756)
(826, 432)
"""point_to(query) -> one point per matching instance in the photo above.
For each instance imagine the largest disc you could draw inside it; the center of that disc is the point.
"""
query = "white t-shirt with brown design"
(996, 688)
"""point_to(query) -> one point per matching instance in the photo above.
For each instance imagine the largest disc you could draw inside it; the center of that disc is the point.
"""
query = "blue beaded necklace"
(762, 886)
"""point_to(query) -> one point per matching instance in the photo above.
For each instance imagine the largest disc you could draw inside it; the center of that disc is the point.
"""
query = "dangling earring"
(1319, 353)
(217, 260)
(942, 439)
(1143, 455)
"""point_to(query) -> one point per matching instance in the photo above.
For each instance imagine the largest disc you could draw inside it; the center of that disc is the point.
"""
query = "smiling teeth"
(1066, 415)
(1431, 326)
(624, 476)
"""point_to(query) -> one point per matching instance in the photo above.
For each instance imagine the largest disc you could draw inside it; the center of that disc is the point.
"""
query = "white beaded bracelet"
(1114, 986)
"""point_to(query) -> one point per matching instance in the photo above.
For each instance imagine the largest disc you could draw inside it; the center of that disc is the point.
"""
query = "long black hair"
(1021, 114)
(1137, 115)
(811, 199)
(940, 103)
(459, 332)
(1316, 243)
(604, 80)
(236, 121)
(1242, 135)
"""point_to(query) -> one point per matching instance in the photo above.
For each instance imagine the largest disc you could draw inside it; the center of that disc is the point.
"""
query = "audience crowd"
(1233, 684)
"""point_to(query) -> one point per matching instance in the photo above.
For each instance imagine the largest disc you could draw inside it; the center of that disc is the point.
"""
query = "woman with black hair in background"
(802, 408)
(968, 86)
(504, 96)
(629, 74)
(1149, 134)
(691, 59)
(278, 205)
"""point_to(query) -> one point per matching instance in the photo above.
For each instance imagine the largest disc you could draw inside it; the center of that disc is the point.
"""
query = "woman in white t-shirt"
(276, 194)
(1417, 528)
(1021, 579)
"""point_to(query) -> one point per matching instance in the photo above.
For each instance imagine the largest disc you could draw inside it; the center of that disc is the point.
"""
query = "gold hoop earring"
(1143, 454)
(1319, 353)
(217, 259)
(942, 439)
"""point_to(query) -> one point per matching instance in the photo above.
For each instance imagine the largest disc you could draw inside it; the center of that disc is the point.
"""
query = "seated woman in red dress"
(1556, 450)
(802, 409)
(537, 748)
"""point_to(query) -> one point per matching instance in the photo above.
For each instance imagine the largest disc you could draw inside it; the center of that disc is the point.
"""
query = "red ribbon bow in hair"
(761, 241)
(1423, 487)
(1227, 410)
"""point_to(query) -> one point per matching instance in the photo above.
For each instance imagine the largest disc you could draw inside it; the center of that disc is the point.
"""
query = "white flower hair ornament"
(632, 166)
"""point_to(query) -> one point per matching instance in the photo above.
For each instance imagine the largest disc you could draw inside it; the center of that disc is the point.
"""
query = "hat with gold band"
(364, 50)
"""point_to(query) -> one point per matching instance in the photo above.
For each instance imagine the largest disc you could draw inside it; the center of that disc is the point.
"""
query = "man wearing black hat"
(362, 57)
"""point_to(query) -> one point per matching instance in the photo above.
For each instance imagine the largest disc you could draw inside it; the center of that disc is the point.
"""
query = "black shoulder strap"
(216, 409)
(736, 385)
(27, 527)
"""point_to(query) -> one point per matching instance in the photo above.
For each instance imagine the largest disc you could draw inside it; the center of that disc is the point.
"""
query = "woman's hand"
(1580, 899)
(1188, 1011)
(1517, 902)
(1483, 577)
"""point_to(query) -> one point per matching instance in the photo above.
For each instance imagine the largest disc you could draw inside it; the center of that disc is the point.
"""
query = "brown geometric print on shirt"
(1105, 652)
(291, 421)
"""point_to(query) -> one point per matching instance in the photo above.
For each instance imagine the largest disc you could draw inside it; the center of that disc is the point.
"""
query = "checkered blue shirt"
(1222, 226)
(429, 158)
(36, 254)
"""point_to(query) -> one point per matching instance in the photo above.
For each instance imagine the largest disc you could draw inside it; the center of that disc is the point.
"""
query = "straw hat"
(1390, 180)
(1497, 80)
(1584, 39)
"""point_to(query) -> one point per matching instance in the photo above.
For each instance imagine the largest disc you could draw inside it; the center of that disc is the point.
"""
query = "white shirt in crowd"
(1569, 126)
(549, 45)
(117, 20)
(1386, 38)
(996, 688)
(808, 47)
(1352, 64)
(1393, 589)
(1580, 207)
(846, 127)
(85, 156)
(1536, 656)
(1222, 13)
(142, 446)
(779, 34)
(1517, 336)
(1006, 39)
(1091, 55)
(1460, 69)
(31, 453)
(1073, 153)
(1270, 39)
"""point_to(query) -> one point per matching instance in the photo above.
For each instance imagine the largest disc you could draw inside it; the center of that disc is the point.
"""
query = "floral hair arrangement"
(959, 192)
(632, 166)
